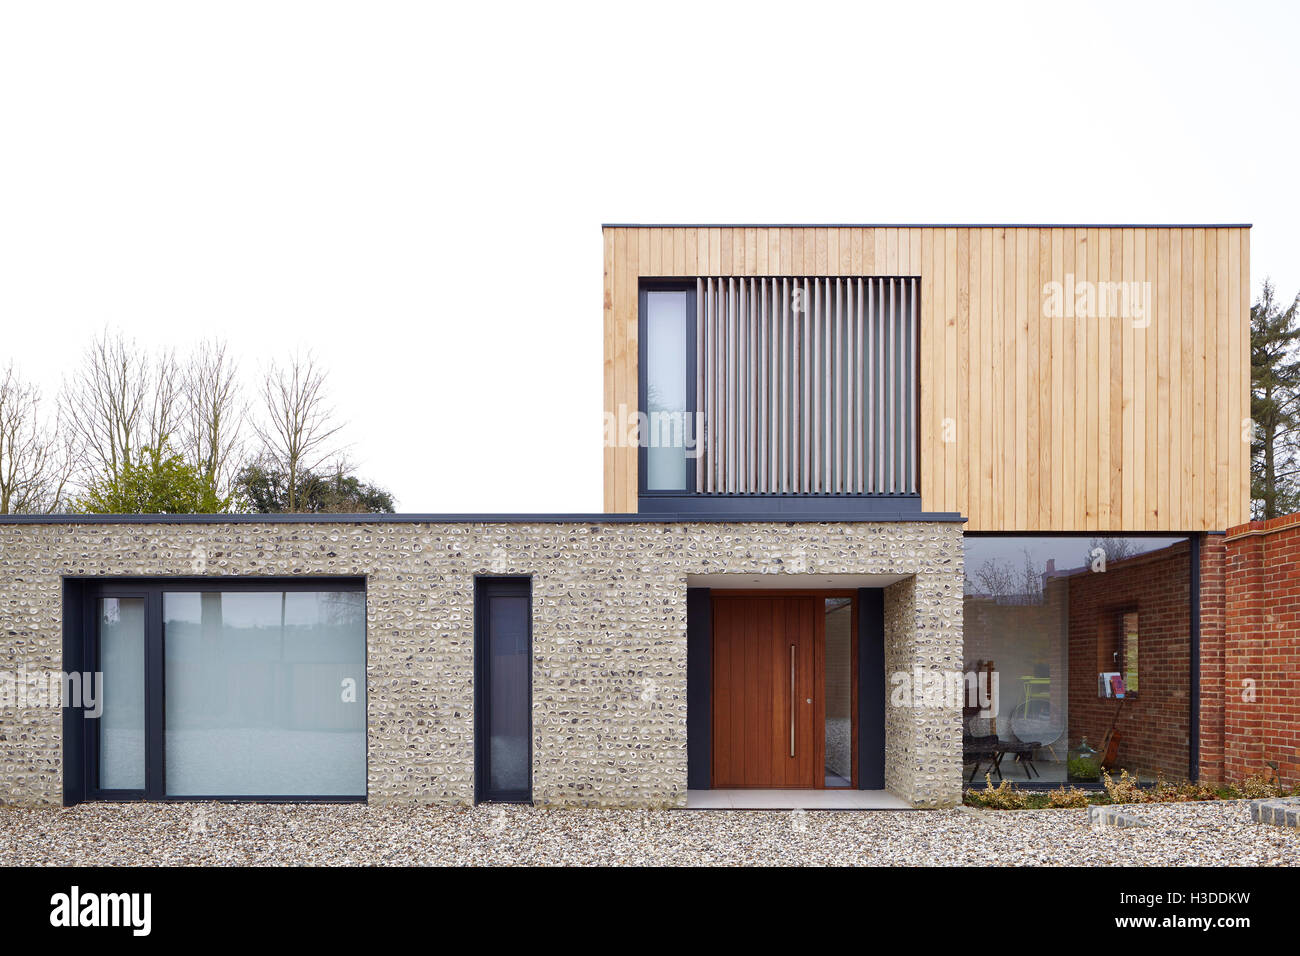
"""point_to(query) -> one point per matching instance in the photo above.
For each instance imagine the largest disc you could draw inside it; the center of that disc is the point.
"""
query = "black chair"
(979, 749)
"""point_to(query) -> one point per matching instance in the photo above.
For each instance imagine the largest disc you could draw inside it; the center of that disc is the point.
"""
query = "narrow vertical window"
(667, 330)
(121, 725)
(503, 685)
(1129, 644)
(838, 679)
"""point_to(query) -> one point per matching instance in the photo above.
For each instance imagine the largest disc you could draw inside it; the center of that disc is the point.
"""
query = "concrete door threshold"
(794, 800)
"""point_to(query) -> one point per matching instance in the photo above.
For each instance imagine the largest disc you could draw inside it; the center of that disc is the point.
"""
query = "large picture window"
(228, 689)
(1086, 643)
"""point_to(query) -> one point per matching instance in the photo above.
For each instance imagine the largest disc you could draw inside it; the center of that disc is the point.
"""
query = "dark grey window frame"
(81, 653)
(485, 588)
(642, 396)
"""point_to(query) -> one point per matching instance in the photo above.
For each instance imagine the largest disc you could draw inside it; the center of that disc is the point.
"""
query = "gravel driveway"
(244, 834)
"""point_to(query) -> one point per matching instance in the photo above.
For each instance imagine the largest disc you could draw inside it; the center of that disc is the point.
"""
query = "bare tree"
(299, 423)
(213, 410)
(995, 579)
(35, 463)
(1032, 579)
(118, 402)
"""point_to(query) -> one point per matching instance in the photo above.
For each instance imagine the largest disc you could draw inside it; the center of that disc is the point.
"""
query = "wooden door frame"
(819, 672)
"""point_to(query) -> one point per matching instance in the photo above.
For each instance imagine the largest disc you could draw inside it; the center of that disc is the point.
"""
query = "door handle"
(791, 700)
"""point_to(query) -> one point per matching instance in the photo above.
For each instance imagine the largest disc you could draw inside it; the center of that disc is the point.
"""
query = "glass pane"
(666, 358)
(265, 693)
(1051, 631)
(121, 662)
(839, 692)
(1129, 623)
(508, 714)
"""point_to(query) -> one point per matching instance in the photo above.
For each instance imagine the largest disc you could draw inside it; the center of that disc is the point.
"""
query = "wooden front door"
(766, 723)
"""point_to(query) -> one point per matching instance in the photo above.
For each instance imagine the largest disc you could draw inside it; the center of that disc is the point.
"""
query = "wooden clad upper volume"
(1037, 413)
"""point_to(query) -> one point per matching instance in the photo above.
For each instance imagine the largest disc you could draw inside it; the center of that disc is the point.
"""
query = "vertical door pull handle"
(791, 700)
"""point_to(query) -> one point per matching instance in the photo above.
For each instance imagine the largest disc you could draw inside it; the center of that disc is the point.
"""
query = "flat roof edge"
(926, 225)
(575, 518)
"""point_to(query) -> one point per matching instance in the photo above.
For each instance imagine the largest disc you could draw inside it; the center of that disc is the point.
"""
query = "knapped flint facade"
(609, 702)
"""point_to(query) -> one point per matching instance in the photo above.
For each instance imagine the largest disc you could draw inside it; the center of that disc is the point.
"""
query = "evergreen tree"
(157, 481)
(264, 487)
(1274, 405)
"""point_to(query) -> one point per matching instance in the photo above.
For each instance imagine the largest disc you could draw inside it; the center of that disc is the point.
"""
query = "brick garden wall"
(1213, 557)
(1258, 678)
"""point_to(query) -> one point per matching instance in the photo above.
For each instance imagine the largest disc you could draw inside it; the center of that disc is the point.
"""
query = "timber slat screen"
(807, 385)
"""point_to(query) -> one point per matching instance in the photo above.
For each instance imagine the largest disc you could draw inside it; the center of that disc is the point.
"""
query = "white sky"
(415, 190)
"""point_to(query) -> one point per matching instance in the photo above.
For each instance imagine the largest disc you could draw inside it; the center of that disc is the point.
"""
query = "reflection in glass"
(265, 693)
(839, 692)
(666, 396)
(121, 725)
(509, 697)
(1129, 643)
(1052, 624)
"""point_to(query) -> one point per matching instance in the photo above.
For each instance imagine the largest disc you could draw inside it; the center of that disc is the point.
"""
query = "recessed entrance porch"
(787, 691)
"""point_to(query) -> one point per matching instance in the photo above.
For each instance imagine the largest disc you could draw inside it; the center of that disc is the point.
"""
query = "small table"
(1024, 754)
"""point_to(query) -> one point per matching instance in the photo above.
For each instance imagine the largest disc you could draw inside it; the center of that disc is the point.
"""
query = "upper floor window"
(669, 322)
(786, 386)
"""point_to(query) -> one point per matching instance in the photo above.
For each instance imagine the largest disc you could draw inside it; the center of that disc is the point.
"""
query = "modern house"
(886, 508)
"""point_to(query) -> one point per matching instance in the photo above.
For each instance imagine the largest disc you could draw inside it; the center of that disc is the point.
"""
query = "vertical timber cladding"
(1036, 413)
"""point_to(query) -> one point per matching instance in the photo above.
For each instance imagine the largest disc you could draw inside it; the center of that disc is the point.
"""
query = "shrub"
(1071, 799)
(1258, 788)
(1182, 792)
(1004, 796)
(1125, 790)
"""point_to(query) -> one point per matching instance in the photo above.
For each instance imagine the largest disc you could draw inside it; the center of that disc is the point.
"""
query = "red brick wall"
(1154, 725)
(1213, 558)
(1260, 688)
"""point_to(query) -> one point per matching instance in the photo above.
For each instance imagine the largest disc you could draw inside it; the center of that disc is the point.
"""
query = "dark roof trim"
(925, 225)
(673, 518)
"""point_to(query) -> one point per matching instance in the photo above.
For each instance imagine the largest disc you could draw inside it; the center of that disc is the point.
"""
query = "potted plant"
(1083, 765)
